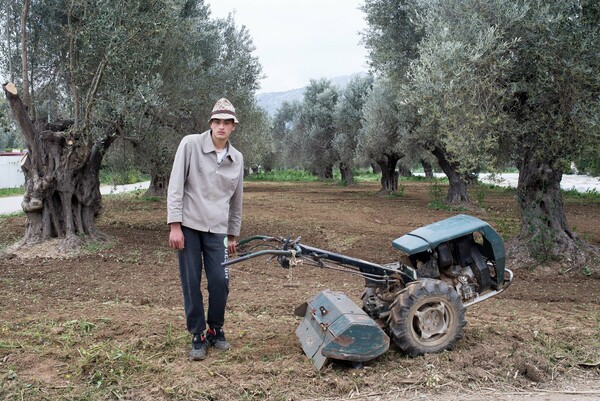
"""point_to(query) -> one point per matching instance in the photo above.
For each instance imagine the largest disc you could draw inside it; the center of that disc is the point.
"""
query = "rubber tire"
(435, 298)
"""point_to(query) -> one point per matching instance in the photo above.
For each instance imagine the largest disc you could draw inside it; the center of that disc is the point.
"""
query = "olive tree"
(380, 138)
(555, 84)
(317, 124)
(235, 76)
(518, 81)
(99, 59)
(348, 122)
(286, 135)
(394, 38)
(457, 91)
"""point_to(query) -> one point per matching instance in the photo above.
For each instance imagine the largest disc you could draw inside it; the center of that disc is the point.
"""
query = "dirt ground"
(107, 323)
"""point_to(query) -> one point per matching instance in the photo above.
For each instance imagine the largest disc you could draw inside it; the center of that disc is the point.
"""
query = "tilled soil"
(107, 322)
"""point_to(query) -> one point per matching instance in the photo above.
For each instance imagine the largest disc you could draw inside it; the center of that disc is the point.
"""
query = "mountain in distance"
(272, 101)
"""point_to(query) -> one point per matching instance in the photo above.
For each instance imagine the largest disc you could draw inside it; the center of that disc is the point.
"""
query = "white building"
(11, 175)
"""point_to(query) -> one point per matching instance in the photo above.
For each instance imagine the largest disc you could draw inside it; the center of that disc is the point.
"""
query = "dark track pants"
(211, 249)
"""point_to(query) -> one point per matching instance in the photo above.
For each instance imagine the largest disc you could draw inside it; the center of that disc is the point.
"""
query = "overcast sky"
(297, 40)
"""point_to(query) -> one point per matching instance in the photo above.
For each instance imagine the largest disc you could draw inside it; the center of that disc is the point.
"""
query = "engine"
(459, 263)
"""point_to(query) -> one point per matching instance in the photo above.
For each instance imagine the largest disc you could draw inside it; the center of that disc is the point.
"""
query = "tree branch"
(24, 71)
(24, 122)
(94, 88)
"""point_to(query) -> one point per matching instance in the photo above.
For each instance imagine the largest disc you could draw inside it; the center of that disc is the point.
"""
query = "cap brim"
(224, 116)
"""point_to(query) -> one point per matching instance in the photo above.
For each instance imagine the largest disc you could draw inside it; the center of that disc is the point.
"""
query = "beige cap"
(223, 110)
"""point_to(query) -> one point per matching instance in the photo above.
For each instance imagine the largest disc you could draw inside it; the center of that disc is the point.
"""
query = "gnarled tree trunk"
(404, 171)
(457, 190)
(159, 184)
(346, 173)
(325, 173)
(427, 168)
(389, 175)
(544, 225)
(62, 188)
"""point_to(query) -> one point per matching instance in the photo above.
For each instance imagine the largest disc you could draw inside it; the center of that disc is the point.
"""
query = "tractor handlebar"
(290, 252)
(282, 253)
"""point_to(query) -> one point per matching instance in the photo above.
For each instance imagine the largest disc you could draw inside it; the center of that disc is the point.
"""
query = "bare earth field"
(107, 323)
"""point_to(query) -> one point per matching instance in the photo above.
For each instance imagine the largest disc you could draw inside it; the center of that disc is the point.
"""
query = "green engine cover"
(335, 327)
(429, 237)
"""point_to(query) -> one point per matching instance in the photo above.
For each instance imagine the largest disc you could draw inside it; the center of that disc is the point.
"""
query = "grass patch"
(5, 192)
(107, 364)
(93, 366)
(399, 193)
(95, 247)
(10, 215)
(508, 228)
(591, 195)
(137, 195)
(283, 176)
(499, 189)
(366, 176)
(438, 202)
(360, 175)
(151, 199)
(114, 177)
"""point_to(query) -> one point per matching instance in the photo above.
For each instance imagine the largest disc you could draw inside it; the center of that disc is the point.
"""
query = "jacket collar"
(208, 145)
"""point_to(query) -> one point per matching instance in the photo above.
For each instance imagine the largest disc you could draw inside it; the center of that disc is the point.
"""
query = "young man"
(204, 207)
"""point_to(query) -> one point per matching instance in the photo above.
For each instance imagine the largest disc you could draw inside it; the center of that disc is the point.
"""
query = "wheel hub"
(431, 320)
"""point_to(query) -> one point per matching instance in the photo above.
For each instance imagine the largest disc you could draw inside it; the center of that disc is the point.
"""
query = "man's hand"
(231, 245)
(176, 239)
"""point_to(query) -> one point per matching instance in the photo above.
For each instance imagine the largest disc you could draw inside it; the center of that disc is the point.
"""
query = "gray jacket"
(203, 194)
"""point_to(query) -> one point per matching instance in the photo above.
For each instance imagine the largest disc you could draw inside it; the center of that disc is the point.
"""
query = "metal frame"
(293, 250)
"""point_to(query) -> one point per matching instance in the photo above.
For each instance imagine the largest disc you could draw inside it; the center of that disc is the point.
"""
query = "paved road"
(12, 204)
(581, 183)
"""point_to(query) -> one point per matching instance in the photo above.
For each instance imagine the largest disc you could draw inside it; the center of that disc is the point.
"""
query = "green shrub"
(11, 191)
(123, 177)
(283, 175)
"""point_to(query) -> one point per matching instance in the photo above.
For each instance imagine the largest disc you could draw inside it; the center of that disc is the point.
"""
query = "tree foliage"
(286, 137)
(317, 125)
(9, 137)
(380, 139)
(397, 37)
(348, 123)
(391, 36)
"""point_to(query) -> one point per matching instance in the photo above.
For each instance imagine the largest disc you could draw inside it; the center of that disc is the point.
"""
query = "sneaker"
(216, 338)
(199, 348)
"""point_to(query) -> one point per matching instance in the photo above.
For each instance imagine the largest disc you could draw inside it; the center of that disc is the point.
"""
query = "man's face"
(221, 129)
